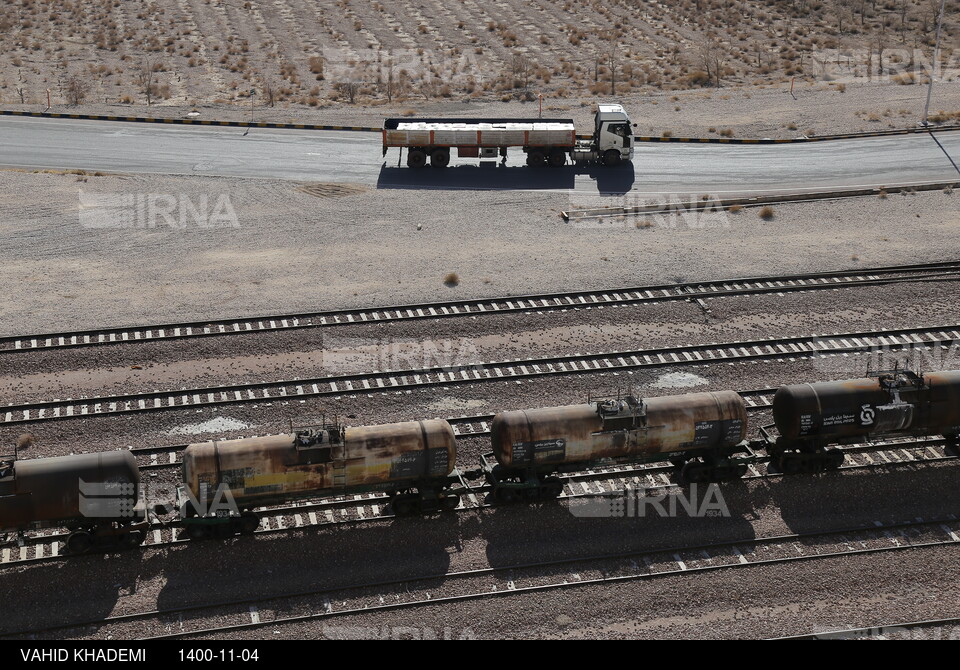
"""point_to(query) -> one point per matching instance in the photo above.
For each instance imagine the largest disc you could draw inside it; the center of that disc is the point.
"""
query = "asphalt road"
(354, 157)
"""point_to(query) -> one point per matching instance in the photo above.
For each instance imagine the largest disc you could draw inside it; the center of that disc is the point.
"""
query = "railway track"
(596, 483)
(390, 381)
(519, 579)
(700, 291)
(928, 629)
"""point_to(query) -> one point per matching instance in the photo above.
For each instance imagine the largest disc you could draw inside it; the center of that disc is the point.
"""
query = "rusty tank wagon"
(700, 433)
(412, 462)
(811, 417)
(95, 496)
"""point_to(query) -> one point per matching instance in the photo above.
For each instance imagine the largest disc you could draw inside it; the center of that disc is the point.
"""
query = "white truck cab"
(612, 141)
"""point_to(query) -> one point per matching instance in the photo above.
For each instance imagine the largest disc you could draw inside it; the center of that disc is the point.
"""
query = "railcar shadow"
(314, 561)
(489, 175)
(842, 500)
(74, 589)
(618, 524)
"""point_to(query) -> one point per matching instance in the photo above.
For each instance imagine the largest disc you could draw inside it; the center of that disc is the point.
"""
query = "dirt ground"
(292, 251)
(698, 67)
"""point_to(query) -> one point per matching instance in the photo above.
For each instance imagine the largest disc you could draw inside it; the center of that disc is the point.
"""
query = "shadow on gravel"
(494, 176)
(77, 588)
(860, 498)
(314, 559)
(613, 525)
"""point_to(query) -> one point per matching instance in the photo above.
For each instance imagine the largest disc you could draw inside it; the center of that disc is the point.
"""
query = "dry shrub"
(733, 209)
(696, 78)
(766, 213)
(451, 279)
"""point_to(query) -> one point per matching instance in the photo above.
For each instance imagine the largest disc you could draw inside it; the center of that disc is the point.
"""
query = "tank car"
(700, 433)
(95, 496)
(223, 482)
(810, 417)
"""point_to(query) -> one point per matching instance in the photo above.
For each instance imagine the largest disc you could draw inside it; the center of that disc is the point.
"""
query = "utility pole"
(933, 69)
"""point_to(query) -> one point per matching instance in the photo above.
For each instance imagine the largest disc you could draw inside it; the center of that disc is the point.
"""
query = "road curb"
(787, 140)
(187, 122)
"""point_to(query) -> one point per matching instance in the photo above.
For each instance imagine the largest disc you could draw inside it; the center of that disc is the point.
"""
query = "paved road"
(356, 157)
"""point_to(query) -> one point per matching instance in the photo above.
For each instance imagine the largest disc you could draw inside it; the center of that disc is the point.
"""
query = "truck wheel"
(416, 158)
(536, 158)
(611, 157)
(557, 158)
(440, 158)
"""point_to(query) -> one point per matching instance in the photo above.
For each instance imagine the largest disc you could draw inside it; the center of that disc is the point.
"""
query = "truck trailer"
(544, 141)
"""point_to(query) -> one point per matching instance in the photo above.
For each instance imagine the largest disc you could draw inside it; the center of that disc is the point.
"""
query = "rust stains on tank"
(276, 467)
(891, 403)
(48, 490)
(627, 428)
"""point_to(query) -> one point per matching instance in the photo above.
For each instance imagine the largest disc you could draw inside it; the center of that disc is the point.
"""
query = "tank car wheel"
(196, 532)
(531, 494)
(557, 158)
(835, 459)
(79, 542)
(790, 464)
(611, 158)
(552, 489)
(440, 158)
(536, 158)
(693, 472)
(132, 540)
(403, 507)
(416, 158)
(506, 496)
(450, 502)
(249, 523)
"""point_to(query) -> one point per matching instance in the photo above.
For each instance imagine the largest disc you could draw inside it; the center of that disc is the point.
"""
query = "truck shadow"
(495, 176)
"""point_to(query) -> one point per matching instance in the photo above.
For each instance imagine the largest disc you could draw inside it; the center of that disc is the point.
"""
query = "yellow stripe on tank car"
(274, 479)
(376, 471)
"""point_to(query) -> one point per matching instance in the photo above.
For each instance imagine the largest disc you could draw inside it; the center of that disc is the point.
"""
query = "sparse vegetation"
(76, 89)
(451, 279)
(683, 45)
(766, 213)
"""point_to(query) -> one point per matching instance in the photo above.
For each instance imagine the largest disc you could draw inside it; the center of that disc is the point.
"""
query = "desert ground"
(704, 67)
(297, 248)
